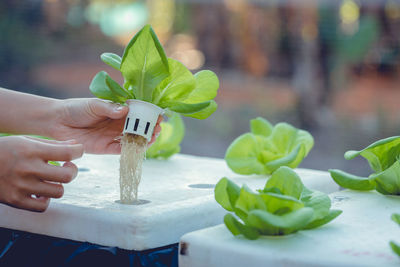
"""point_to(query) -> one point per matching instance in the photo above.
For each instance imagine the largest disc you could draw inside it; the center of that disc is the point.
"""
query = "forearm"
(22, 113)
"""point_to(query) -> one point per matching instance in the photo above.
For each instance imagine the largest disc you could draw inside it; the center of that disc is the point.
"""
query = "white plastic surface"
(142, 118)
(88, 211)
(358, 237)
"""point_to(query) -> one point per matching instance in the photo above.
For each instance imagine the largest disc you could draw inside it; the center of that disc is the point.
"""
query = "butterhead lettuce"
(152, 77)
(268, 147)
(283, 207)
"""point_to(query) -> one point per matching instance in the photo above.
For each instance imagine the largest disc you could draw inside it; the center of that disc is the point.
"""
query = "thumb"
(100, 108)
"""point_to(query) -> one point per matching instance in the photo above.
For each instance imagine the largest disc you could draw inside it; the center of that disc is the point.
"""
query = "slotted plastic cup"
(142, 118)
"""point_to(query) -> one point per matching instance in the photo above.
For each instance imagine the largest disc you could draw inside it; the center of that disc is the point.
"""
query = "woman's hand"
(27, 181)
(95, 123)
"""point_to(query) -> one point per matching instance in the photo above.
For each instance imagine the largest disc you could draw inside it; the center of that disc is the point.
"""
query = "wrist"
(43, 119)
(27, 114)
(51, 118)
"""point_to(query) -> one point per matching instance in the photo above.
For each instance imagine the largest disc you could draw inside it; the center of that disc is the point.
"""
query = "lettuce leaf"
(112, 60)
(267, 147)
(144, 63)
(171, 135)
(103, 86)
(283, 207)
(260, 126)
(152, 77)
(176, 87)
(395, 247)
(351, 181)
(383, 158)
(380, 155)
(190, 95)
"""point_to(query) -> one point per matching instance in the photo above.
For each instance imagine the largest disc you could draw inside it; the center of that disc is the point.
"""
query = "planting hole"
(83, 169)
(135, 202)
(202, 186)
(340, 198)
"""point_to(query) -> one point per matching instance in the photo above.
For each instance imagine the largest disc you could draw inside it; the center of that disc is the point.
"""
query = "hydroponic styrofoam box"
(358, 237)
(180, 194)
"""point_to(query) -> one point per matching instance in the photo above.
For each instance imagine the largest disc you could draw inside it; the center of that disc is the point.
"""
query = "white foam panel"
(358, 237)
(180, 191)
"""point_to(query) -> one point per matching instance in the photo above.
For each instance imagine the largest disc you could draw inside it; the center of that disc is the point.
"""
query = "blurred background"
(330, 67)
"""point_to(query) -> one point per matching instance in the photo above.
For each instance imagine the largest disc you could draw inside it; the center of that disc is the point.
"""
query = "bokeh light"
(392, 9)
(349, 12)
(182, 47)
(349, 15)
(117, 19)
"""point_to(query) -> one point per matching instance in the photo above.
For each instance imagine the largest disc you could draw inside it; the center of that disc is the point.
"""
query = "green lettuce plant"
(283, 207)
(268, 147)
(395, 247)
(171, 135)
(383, 158)
(152, 77)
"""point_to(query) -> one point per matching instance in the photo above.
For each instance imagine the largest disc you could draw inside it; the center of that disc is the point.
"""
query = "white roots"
(133, 152)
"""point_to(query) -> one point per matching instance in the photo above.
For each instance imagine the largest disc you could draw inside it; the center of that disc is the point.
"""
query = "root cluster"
(133, 152)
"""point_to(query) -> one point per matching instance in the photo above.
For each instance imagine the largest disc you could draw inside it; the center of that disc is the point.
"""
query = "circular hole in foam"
(135, 203)
(202, 186)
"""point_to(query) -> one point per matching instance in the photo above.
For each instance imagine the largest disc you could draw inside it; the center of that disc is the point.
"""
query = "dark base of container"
(19, 248)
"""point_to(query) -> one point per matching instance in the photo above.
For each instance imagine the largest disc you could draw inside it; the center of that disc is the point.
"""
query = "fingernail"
(118, 108)
(72, 141)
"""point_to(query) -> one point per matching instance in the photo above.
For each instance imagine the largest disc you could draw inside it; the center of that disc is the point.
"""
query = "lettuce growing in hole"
(395, 247)
(171, 135)
(283, 207)
(383, 158)
(152, 77)
(268, 147)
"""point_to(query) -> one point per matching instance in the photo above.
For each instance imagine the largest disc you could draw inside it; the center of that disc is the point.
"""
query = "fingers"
(152, 140)
(114, 148)
(29, 202)
(156, 133)
(46, 189)
(71, 142)
(36, 192)
(25, 173)
(38, 204)
(58, 152)
(59, 174)
(160, 119)
(99, 108)
(157, 130)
